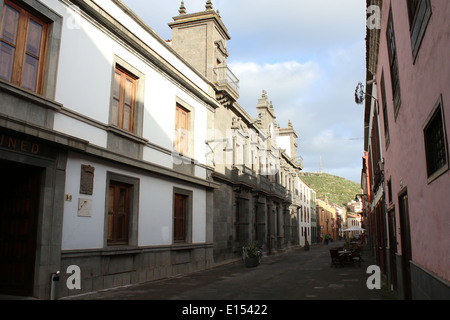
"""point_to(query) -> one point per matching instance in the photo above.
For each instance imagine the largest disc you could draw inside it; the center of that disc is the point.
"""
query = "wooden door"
(180, 215)
(406, 244)
(19, 203)
(118, 213)
(393, 249)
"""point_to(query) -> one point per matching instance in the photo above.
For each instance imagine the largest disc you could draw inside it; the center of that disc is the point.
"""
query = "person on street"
(327, 238)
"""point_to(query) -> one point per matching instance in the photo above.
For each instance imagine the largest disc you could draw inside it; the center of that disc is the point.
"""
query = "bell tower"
(201, 39)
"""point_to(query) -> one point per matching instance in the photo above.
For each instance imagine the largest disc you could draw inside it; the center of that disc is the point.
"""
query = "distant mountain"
(338, 190)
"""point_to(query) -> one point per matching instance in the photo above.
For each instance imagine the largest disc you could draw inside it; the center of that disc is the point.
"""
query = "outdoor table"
(346, 255)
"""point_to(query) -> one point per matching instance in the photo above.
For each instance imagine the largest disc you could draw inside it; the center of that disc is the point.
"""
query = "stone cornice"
(194, 18)
(102, 19)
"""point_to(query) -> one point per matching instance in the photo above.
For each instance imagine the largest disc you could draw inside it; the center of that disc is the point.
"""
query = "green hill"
(338, 190)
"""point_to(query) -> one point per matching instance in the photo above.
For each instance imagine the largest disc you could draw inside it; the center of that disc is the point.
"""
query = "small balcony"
(300, 162)
(227, 81)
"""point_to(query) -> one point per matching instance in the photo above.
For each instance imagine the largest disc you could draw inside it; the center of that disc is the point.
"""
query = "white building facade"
(109, 133)
(304, 212)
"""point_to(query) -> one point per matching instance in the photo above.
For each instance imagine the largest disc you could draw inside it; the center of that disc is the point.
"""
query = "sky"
(309, 55)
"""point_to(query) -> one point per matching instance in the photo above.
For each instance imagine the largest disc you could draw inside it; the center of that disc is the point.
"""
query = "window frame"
(53, 44)
(385, 111)
(393, 62)
(180, 103)
(20, 45)
(133, 184)
(114, 224)
(187, 225)
(118, 119)
(138, 121)
(419, 16)
(182, 148)
(438, 108)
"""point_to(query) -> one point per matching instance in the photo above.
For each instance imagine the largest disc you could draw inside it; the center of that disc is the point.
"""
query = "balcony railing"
(224, 76)
(300, 162)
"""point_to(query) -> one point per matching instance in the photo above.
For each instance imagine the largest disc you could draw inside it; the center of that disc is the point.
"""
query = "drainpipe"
(54, 278)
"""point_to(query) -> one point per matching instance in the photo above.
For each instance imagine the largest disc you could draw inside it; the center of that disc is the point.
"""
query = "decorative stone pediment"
(219, 44)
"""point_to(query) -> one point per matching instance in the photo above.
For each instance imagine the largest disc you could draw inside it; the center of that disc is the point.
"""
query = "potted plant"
(252, 256)
(306, 247)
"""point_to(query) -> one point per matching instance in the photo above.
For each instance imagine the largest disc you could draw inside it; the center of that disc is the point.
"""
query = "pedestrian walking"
(327, 238)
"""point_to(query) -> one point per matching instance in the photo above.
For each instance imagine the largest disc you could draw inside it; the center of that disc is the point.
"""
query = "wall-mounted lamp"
(366, 197)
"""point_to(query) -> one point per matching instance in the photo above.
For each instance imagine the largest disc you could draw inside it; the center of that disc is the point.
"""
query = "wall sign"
(19, 144)
(87, 179)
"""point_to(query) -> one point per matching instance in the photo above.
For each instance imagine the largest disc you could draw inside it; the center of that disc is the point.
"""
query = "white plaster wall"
(85, 62)
(155, 213)
(284, 142)
(155, 208)
(83, 232)
(80, 130)
(157, 157)
(199, 216)
(85, 73)
(161, 49)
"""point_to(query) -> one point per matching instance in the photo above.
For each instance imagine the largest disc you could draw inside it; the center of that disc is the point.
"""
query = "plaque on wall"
(85, 207)
(87, 179)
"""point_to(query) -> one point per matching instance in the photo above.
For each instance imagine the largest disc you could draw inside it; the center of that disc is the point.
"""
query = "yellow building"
(327, 219)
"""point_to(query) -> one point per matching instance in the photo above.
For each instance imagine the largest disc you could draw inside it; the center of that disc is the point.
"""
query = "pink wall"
(421, 85)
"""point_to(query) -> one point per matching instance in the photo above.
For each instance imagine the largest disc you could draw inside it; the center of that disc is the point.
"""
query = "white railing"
(223, 75)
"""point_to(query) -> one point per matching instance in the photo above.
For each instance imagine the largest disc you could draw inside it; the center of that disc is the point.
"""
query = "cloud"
(286, 83)
(284, 28)
(317, 96)
(308, 55)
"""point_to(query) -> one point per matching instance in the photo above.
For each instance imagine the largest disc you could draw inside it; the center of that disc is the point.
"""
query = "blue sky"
(308, 55)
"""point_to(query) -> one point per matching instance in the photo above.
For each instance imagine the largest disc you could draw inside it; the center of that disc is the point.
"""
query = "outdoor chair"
(336, 259)
(356, 255)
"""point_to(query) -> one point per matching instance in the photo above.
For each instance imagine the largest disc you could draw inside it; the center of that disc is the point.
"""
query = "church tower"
(201, 39)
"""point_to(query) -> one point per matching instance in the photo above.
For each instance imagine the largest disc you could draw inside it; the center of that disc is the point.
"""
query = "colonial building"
(102, 131)
(406, 170)
(326, 217)
(126, 157)
(305, 212)
(315, 228)
(255, 161)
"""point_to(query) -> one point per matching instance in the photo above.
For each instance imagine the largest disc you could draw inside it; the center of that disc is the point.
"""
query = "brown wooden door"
(19, 202)
(180, 214)
(393, 249)
(118, 213)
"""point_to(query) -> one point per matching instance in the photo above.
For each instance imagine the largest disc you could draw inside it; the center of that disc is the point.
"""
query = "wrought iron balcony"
(225, 78)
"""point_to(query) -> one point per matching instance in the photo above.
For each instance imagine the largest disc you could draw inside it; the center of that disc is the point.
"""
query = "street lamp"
(366, 197)
(360, 95)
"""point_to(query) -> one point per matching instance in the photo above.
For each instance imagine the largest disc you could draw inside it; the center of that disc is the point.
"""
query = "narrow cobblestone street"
(295, 275)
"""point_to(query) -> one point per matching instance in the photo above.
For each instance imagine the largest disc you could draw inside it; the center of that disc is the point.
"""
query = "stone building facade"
(127, 158)
(255, 161)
